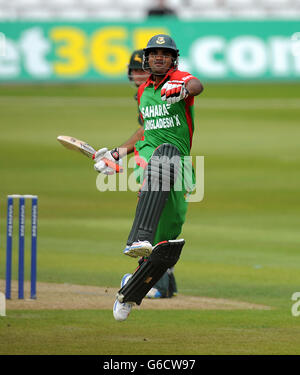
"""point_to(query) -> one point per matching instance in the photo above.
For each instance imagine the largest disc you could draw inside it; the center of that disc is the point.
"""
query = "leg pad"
(164, 255)
(159, 179)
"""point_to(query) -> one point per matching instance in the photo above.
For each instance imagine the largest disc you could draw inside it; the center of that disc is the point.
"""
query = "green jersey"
(163, 122)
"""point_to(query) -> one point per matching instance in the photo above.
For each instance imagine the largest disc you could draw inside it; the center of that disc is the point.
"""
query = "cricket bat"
(75, 144)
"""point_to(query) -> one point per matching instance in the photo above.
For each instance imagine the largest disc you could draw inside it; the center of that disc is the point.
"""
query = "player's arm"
(115, 155)
(194, 87)
(176, 90)
(129, 144)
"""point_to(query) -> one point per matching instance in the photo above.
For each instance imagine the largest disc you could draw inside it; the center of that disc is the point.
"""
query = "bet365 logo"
(296, 305)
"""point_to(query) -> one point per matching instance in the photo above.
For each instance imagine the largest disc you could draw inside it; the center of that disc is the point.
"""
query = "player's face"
(139, 76)
(160, 60)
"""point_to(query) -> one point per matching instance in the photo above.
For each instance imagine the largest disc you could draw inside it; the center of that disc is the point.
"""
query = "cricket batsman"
(166, 287)
(166, 103)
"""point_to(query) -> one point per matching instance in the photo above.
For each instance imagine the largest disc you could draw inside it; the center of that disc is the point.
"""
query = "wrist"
(187, 92)
(125, 150)
(115, 153)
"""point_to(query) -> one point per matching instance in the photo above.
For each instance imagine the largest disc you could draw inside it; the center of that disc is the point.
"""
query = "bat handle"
(116, 167)
(110, 164)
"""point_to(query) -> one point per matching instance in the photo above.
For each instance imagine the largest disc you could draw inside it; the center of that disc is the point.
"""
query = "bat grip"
(116, 167)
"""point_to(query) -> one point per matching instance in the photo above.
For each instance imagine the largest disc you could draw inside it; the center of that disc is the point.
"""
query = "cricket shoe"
(139, 249)
(122, 310)
(127, 248)
(154, 293)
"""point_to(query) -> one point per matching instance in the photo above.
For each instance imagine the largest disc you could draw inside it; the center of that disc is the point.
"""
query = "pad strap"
(164, 255)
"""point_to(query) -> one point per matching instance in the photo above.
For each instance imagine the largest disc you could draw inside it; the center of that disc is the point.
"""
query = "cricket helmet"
(136, 62)
(161, 41)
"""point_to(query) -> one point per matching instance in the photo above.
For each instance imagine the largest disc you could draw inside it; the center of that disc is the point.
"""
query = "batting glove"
(174, 91)
(107, 162)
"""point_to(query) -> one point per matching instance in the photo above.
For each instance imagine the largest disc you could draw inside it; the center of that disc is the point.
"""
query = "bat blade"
(75, 144)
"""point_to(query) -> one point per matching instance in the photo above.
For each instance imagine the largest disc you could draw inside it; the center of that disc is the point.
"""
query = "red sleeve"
(182, 76)
(140, 92)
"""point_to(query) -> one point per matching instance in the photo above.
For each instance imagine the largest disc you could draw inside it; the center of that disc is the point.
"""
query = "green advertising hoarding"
(100, 51)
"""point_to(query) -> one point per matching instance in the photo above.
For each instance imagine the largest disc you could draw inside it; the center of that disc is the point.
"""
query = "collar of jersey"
(150, 80)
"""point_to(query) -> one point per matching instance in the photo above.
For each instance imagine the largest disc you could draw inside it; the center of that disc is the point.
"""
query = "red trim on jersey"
(188, 102)
(178, 75)
(139, 161)
(141, 90)
(172, 74)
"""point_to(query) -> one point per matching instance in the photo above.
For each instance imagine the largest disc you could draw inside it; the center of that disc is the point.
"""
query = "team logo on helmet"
(137, 58)
(160, 40)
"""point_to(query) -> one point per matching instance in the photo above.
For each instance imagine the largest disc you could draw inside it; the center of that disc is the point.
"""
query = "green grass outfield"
(242, 240)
